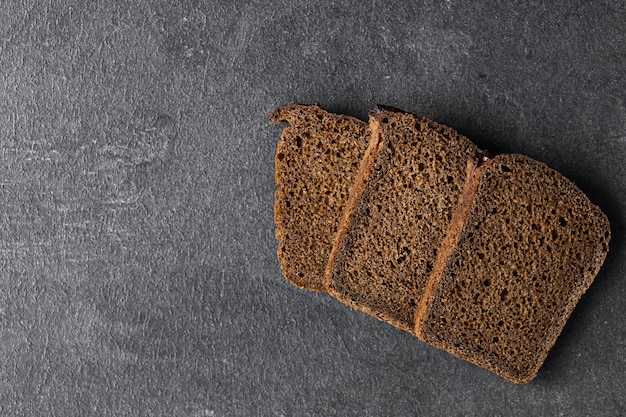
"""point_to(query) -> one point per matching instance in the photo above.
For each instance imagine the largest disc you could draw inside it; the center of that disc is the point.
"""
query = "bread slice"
(317, 160)
(410, 182)
(524, 246)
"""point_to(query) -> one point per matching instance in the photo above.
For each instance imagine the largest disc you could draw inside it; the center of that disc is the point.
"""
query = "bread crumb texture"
(530, 248)
(484, 258)
(316, 161)
(389, 249)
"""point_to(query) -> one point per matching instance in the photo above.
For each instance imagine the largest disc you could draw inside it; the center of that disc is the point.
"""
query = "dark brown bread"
(317, 160)
(400, 207)
(525, 245)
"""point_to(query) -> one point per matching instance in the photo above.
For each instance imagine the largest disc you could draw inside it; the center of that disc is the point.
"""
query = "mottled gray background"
(138, 273)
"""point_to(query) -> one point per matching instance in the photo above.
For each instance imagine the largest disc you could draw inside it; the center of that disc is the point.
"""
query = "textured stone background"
(139, 275)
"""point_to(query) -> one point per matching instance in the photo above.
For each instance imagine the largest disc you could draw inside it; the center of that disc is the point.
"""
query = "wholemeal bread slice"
(410, 182)
(317, 160)
(525, 244)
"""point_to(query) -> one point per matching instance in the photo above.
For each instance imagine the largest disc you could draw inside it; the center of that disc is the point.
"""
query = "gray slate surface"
(139, 275)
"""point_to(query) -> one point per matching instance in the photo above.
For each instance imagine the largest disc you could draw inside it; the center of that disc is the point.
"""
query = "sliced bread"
(525, 244)
(401, 204)
(317, 160)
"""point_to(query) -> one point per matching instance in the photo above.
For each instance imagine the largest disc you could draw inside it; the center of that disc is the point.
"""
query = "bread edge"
(450, 240)
(358, 187)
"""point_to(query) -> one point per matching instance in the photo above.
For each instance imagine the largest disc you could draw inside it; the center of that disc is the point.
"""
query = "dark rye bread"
(400, 207)
(317, 160)
(525, 245)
